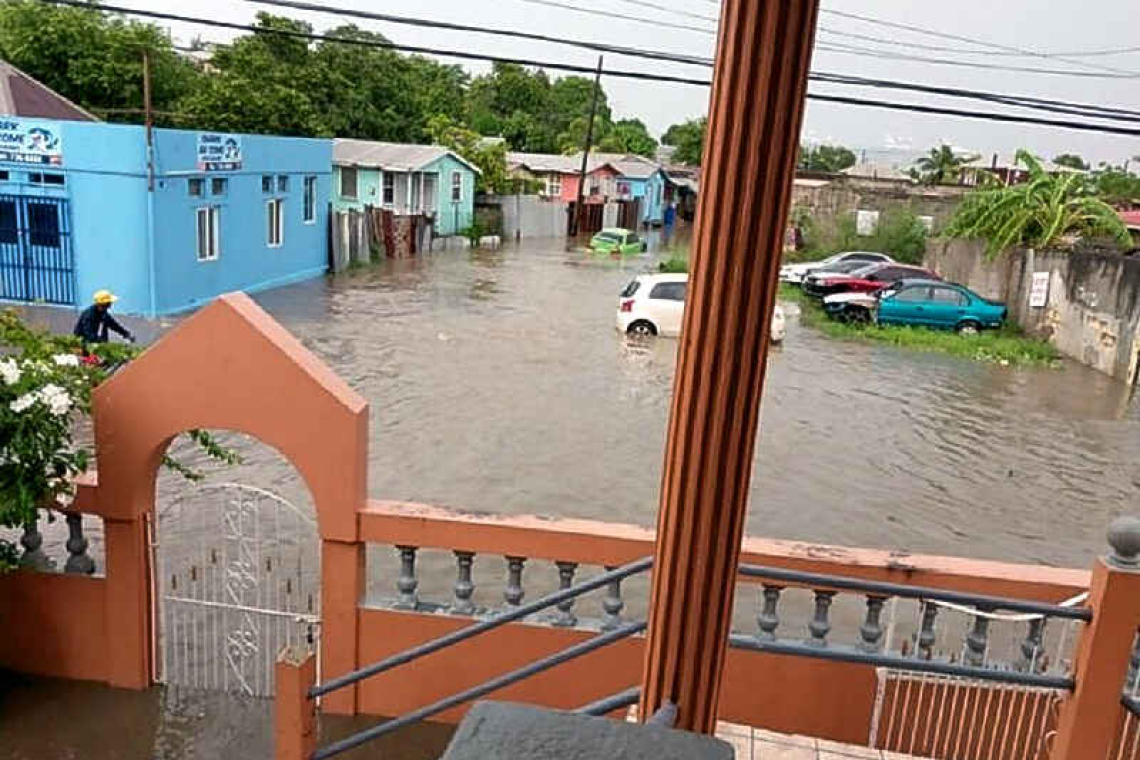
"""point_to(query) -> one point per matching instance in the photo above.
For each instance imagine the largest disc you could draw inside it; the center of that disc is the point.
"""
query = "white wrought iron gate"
(238, 578)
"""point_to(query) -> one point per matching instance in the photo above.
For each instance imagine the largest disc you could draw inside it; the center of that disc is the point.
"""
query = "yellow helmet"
(105, 297)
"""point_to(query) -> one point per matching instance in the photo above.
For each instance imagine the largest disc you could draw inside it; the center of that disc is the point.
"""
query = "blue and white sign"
(219, 153)
(30, 143)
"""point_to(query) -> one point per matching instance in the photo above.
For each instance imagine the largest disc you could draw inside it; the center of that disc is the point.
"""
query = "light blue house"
(82, 208)
(638, 179)
(427, 180)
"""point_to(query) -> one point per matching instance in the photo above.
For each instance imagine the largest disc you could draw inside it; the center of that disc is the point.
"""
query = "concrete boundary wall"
(531, 216)
(1092, 308)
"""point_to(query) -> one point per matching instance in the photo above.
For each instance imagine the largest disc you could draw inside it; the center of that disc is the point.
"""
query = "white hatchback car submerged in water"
(653, 304)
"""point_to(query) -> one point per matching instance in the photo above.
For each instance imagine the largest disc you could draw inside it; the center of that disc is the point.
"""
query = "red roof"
(1130, 218)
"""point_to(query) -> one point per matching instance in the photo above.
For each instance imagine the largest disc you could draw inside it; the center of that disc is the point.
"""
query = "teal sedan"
(941, 305)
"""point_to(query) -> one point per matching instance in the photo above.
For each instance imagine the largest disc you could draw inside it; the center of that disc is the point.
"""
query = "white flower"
(56, 398)
(66, 360)
(10, 371)
(25, 402)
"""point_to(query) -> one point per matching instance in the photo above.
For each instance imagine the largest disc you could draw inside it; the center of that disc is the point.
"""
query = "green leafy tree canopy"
(1071, 161)
(826, 158)
(941, 166)
(688, 140)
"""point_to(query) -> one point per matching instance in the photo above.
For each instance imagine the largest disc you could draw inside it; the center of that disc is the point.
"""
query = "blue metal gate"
(37, 263)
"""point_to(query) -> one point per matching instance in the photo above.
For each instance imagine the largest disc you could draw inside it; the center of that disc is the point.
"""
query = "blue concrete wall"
(367, 190)
(104, 169)
(245, 261)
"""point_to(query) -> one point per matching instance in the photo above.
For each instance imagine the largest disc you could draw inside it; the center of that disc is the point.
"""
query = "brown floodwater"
(498, 383)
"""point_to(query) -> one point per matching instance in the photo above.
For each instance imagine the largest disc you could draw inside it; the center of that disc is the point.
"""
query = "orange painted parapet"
(590, 542)
(232, 367)
(1089, 723)
(295, 714)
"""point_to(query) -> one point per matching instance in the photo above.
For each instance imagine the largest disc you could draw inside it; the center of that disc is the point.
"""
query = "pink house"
(601, 184)
(559, 176)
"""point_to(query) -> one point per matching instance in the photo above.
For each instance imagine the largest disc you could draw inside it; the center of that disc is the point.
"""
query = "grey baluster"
(1130, 683)
(769, 618)
(820, 626)
(513, 593)
(926, 635)
(612, 604)
(1031, 646)
(872, 628)
(566, 617)
(407, 582)
(464, 588)
(34, 557)
(977, 641)
(79, 562)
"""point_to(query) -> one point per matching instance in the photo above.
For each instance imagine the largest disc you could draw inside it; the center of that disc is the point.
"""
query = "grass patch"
(1007, 346)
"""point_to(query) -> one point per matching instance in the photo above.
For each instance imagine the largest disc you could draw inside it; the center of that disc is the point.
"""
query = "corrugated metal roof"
(21, 95)
(545, 162)
(396, 157)
(627, 164)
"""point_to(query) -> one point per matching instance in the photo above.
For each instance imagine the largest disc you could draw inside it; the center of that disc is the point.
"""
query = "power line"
(971, 51)
(986, 116)
(961, 38)
(622, 16)
(831, 47)
(668, 9)
(600, 47)
(1022, 101)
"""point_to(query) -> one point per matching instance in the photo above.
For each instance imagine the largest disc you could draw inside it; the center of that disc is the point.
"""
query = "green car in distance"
(617, 241)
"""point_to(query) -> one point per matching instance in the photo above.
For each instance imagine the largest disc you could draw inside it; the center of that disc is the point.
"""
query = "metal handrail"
(501, 619)
(981, 601)
(895, 662)
(613, 702)
(570, 653)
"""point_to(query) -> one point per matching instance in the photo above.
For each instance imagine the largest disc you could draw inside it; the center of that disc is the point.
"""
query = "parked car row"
(888, 292)
(654, 304)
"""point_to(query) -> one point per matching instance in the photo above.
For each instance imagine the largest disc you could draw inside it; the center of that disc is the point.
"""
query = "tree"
(1039, 212)
(1116, 185)
(826, 158)
(688, 139)
(490, 158)
(941, 166)
(1071, 161)
(629, 136)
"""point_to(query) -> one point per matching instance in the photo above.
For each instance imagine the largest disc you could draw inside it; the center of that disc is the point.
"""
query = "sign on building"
(30, 143)
(219, 153)
(866, 222)
(1039, 292)
(928, 223)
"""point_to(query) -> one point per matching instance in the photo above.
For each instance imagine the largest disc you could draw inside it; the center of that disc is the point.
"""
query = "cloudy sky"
(1053, 31)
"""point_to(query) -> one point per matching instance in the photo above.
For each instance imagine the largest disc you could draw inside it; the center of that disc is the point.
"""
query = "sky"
(1033, 26)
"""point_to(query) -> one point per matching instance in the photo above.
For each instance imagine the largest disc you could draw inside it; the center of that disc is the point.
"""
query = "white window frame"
(213, 231)
(388, 189)
(355, 182)
(275, 222)
(309, 200)
(554, 185)
(457, 187)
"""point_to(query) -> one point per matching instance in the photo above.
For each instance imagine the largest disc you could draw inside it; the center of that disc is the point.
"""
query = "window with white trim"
(347, 182)
(310, 200)
(275, 217)
(456, 187)
(208, 223)
(389, 197)
(554, 185)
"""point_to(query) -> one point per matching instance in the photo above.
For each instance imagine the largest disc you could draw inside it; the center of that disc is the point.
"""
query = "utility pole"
(149, 122)
(576, 220)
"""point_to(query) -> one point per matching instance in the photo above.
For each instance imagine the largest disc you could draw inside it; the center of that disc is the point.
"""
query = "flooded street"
(498, 383)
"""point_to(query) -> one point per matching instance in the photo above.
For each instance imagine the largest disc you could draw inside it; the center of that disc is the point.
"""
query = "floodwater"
(498, 383)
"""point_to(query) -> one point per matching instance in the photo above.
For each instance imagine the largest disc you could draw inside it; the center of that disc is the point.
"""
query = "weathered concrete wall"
(1092, 312)
(828, 199)
(529, 216)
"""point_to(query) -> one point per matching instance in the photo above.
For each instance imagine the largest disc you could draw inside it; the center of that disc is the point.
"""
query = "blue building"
(82, 208)
(639, 179)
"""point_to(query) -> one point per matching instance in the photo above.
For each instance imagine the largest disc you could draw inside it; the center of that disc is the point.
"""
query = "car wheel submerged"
(856, 315)
(642, 328)
(969, 328)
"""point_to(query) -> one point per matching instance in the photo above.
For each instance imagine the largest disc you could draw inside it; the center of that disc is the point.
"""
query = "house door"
(36, 259)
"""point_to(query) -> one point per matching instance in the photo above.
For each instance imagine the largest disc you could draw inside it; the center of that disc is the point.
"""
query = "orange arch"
(232, 367)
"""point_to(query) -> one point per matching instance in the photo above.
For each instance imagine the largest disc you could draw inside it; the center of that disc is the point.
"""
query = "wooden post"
(756, 111)
(1088, 726)
(295, 714)
(576, 221)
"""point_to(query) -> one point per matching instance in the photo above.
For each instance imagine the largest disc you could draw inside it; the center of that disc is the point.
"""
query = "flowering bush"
(45, 388)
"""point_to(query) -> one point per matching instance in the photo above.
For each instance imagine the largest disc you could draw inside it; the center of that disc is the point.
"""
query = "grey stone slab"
(504, 731)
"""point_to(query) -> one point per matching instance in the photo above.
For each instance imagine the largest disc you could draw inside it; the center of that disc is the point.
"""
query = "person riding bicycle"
(96, 320)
